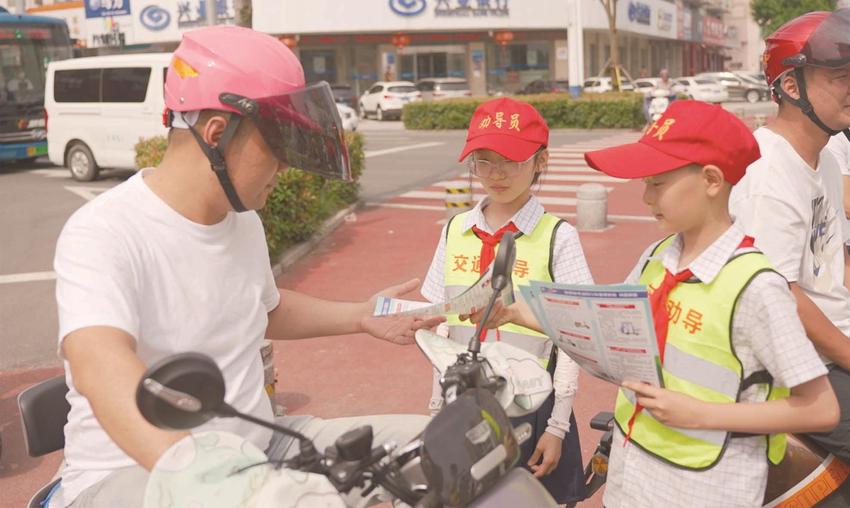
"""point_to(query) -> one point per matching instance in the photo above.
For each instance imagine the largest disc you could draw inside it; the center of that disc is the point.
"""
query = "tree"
(772, 14)
(613, 64)
(243, 12)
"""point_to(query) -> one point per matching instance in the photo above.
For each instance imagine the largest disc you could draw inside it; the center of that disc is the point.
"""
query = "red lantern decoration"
(400, 41)
(291, 41)
(504, 38)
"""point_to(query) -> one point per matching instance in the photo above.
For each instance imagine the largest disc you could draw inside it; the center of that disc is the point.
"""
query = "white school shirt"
(839, 146)
(766, 335)
(568, 267)
(129, 261)
(796, 215)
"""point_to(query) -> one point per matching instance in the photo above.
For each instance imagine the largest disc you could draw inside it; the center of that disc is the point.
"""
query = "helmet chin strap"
(803, 102)
(215, 154)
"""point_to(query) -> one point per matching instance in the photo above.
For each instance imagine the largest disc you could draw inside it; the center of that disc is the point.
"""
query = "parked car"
(434, 89)
(758, 76)
(601, 84)
(645, 85)
(386, 98)
(545, 86)
(702, 89)
(99, 107)
(757, 79)
(344, 94)
(739, 88)
(350, 120)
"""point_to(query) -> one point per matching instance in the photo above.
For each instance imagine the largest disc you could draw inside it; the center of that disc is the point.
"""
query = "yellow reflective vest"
(700, 361)
(533, 262)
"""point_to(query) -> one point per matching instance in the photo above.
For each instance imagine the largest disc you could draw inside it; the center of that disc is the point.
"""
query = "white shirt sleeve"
(96, 282)
(779, 231)
(569, 266)
(766, 318)
(434, 287)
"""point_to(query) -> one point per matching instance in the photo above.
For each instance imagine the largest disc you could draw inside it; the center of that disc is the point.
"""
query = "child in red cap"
(738, 369)
(506, 150)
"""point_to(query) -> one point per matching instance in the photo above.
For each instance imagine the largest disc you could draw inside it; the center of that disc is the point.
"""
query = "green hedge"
(300, 202)
(590, 111)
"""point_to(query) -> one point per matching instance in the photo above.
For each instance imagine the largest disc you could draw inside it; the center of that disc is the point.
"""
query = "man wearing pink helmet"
(165, 263)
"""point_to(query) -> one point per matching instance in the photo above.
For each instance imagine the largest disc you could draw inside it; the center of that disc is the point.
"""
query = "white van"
(98, 108)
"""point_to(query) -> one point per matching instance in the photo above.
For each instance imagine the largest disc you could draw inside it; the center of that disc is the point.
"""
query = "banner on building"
(153, 21)
(106, 8)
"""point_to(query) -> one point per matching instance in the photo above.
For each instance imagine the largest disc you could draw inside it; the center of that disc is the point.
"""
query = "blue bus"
(27, 45)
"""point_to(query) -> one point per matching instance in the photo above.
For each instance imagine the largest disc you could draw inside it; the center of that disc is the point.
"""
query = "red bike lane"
(358, 375)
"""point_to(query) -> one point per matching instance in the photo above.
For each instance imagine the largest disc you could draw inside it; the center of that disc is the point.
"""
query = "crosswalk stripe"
(542, 187)
(598, 178)
(566, 172)
(546, 200)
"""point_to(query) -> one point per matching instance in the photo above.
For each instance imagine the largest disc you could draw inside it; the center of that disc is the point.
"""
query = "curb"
(291, 255)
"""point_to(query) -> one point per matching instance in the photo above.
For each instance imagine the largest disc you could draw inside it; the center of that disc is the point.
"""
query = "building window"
(319, 65)
(516, 65)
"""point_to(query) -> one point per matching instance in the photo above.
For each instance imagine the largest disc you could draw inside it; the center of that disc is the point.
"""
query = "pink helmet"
(229, 59)
(258, 78)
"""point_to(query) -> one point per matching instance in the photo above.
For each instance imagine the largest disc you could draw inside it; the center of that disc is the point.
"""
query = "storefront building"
(497, 45)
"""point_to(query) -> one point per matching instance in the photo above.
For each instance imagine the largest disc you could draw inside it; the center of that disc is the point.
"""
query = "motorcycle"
(658, 102)
(808, 476)
(464, 457)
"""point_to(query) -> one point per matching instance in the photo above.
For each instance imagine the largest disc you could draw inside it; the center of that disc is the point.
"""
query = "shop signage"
(713, 31)
(106, 8)
(471, 8)
(665, 20)
(155, 18)
(192, 13)
(640, 13)
(408, 7)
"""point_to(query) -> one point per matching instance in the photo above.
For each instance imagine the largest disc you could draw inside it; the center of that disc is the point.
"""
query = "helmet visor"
(829, 44)
(303, 129)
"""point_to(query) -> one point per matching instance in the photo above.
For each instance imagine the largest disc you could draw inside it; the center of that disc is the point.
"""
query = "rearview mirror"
(181, 392)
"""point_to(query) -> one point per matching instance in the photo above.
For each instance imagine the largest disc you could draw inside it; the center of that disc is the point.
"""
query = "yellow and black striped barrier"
(458, 197)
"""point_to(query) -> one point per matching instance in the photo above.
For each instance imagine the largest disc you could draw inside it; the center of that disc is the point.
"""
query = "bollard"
(592, 207)
(458, 197)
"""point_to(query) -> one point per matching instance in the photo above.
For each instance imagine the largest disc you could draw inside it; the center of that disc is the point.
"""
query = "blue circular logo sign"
(408, 7)
(155, 18)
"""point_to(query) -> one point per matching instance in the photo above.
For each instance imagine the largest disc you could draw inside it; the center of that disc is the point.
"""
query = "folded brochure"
(472, 299)
(607, 330)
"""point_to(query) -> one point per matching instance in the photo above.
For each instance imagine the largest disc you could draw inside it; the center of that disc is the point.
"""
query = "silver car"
(433, 89)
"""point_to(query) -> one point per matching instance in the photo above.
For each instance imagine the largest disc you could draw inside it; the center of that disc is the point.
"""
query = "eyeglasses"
(484, 168)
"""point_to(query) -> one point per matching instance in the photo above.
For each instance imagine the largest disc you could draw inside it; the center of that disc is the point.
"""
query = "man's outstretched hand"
(396, 329)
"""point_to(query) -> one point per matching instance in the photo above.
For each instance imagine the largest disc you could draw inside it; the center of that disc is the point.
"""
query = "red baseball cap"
(511, 128)
(689, 132)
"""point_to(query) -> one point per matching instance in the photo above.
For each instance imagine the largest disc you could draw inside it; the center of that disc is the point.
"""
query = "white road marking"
(27, 277)
(87, 193)
(52, 173)
(404, 148)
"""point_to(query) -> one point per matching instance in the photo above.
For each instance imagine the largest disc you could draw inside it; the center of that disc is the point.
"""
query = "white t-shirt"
(128, 260)
(839, 145)
(797, 218)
